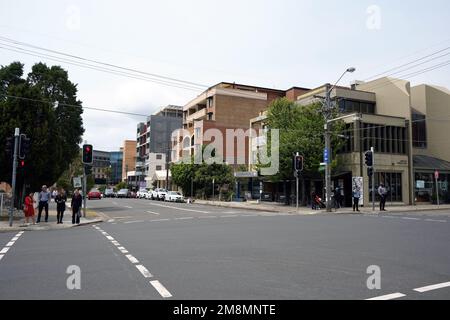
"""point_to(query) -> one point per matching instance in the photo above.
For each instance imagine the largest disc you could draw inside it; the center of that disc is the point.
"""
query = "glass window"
(158, 168)
(393, 184)
(419, 130)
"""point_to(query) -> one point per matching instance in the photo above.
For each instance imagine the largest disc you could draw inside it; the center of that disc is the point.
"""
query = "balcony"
(201, 114)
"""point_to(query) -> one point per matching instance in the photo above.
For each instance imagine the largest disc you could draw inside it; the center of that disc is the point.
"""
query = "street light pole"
(13, 182)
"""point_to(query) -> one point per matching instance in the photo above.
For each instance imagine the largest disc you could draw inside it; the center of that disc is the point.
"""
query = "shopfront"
(429, 187)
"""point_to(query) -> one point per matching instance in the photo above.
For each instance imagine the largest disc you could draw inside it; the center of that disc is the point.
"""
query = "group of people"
(382, 192)
(40, 201)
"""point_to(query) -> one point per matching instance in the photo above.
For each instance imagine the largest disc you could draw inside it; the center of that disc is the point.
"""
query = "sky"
(275, 44)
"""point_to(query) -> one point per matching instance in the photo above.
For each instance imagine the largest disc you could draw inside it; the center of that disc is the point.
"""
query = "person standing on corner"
(382, 192)
(44, 198)
(29, 208)
(76, 204)
(356, 196)
(60, 200)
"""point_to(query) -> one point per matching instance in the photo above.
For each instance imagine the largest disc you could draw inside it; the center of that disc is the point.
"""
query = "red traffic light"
(22, 163)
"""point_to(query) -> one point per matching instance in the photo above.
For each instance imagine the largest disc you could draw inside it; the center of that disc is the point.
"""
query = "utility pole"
(84, 191)
(327, 114)
(13, 191)
(213, 190)
(167, 166)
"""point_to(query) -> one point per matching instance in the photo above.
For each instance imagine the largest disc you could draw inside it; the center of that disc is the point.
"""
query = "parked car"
(109, 193)
(149, 194)
(174, 196)
(123, 193)
(158, 194)
(142, 193)
(94, 194)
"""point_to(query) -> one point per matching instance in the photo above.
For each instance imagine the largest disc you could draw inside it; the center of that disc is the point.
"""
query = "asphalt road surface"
(159, 250)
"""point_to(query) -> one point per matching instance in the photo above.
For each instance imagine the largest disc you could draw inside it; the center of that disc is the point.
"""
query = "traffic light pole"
(372, 149)
(14, 173)
(84, 191)
(327, 147)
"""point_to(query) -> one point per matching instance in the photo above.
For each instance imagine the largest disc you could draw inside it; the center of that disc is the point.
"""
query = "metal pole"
(437, 188)
(84, 191)
(1, 203)
(13, 191)
(213, 190)
(327, 148)
(373, 178)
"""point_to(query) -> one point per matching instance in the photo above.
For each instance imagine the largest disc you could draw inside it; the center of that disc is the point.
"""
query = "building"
(116, 159)
(153, 145)
(222, 107)
(128, 159)
(100, 166)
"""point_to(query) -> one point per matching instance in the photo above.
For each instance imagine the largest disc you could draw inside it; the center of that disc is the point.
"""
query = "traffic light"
(24, 146)
(21, 164)
(9, 147)
(298, 163)
(88, 170)
(87, 154)
(370, 171)
(369, 158)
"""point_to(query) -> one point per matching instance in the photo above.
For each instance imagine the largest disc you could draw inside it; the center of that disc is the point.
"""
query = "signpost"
(436, 177)
(77, 182)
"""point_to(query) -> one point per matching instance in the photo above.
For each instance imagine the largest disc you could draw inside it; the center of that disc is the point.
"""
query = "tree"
(121, 185)
(55, 129)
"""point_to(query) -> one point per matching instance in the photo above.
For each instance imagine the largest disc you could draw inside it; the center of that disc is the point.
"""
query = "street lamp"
(328, 120)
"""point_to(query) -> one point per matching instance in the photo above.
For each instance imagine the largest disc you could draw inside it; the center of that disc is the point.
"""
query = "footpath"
(19, 220)
(281, 208)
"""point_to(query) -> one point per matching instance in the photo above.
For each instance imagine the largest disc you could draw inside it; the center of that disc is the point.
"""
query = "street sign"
(246, 174)
(325, 156)
(436, 174)
(77, 182)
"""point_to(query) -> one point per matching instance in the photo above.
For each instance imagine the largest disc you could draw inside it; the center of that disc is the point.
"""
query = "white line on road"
(157, 220)
(144, 271)
(184, 218)
(14, 239)
(161, 289)
(9, 244)
(406, 218)
(177, 208)
(124, 251)
(132, 258)
(249, 215)
(115, 243)
(153, 212)
(134, 221)
(109, 238)
(433, 287)
(207, 217)
(229, 216)
(433, 220)
(1, 256)
(4, 250)
(389, 296)
(128, 207)
(111, 220)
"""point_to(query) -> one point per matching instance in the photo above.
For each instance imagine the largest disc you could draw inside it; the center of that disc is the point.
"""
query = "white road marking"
(389, 296)
(433, 220)
(132, 258)
(1, 256)
(109, 238)
(134, 221)
(115, 243)
(207, 217)
(144, 271)
(104, 233)
(111, 220)
(161, 289)
(124, 251)
(4, 250)
(184, 218)
(433, 287)
(9, 244)
(153, 212)
(157, 220)
(121, 248)
(229, 216)
(406, 218)
(128, 207)
(14, 239)
(249, 215)
(389, 217)
(177, 208)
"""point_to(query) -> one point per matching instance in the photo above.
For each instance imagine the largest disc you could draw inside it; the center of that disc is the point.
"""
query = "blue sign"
(325, 156)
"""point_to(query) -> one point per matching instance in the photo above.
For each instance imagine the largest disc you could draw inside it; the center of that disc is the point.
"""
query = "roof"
(430, 163)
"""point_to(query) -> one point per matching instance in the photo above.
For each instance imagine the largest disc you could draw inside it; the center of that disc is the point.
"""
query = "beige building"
(129, 158)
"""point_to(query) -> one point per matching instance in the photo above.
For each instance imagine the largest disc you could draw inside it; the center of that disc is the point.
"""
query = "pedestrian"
(356, 196)
(382, 191)
(76, 203)
(313, 200)
(60, 200)
(337, 198)
(28, 209)
(44, 198)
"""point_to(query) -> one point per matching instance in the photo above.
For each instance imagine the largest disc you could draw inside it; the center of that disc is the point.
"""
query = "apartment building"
(153, 145)
(222, 107)
(116, 159)
(100, 166)
(128, 159)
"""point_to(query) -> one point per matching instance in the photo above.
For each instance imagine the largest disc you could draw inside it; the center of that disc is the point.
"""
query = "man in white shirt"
(44, 198)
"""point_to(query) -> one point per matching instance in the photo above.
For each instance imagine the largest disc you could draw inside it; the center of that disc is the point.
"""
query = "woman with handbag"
(28, 208)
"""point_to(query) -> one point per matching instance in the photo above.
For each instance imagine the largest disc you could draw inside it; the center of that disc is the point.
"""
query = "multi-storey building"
(116, 159)
(128, 159)
(100, 165)
(223, 107)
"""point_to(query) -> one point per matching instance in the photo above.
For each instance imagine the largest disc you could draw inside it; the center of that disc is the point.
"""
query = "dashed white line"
(144, 271)
(123, 250)
(134, 221)
(229, 216)
(9, 244)
(4, 250)
(434, 220)
(128, 207)
(109, 238)
(153, 212)
(178, 208)
(1, 256)
(161, 289)
(132, 258)
(249, 215)
(115, 243)
(389, 296)
(407, 218)
(158, 220)
(14, 239)
(184, 218)
(433, 287)
(111, 220)
(207, 217)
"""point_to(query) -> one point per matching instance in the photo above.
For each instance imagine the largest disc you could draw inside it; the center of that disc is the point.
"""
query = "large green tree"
(45, 107)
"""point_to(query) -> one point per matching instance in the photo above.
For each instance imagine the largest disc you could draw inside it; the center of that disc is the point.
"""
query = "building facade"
(100, 167)
(128, 158)
(116, 159)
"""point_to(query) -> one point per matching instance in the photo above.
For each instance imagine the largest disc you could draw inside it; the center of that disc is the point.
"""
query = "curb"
(48, 228)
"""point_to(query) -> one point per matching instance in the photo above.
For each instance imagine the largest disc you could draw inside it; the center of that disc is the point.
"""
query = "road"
(157, 250)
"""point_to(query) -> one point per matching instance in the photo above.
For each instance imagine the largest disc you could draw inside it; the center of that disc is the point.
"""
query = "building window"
(158, 156)
(419, 129)
(392, 182)
(158, 168)
(385, 139)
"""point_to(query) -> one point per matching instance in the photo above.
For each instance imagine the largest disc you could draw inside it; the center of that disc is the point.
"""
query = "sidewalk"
(19, 225)
(275, 207)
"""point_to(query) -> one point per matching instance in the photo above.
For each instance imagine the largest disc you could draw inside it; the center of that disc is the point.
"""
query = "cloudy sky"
(276, 44)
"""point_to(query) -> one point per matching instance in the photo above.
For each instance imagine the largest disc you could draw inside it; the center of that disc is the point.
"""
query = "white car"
(158, 194)
(142, 193)
(174, 196)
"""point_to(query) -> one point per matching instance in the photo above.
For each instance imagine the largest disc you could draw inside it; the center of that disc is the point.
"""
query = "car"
(158, 194)
(94, 194)
(109, 193)
(142, 193)
(174, 196)
(123, 193)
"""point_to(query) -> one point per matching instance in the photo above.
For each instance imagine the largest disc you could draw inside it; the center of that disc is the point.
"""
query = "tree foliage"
(55, 129)
(301, 130)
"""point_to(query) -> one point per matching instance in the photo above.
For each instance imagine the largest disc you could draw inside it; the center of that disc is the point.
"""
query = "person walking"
(382, 191)
(44, 198)
(60, 200)
(356, 196)
(76, 204)
(28, 209)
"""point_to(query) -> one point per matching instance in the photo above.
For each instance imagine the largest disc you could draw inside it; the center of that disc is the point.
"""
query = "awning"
(428, 163)
(160, 175)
